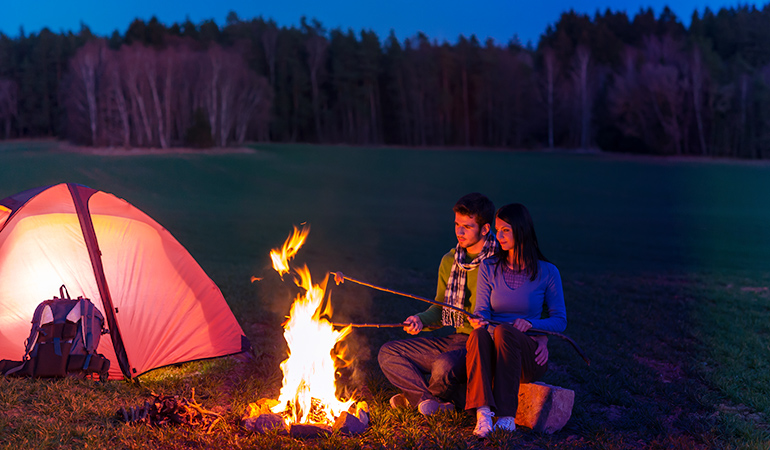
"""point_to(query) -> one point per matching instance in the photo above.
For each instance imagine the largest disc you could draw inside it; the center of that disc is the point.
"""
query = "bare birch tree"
(152, 74)
(698, 76)
(87, 68)
(253, 103)
(147, 97)
(117, 94)
(550, 65)
(666, 87)
(581, 74)
(269, 38)
(132, 61)
(316, 46)
(626, 100)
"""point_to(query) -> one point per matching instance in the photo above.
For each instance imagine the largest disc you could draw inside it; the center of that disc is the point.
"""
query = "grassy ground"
(665, 265)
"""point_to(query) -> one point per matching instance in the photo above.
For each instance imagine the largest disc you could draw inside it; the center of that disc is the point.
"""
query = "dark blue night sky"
(438, 19)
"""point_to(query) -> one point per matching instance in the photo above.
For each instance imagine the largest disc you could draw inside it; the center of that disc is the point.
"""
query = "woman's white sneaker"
(507, 423)
(484, 424)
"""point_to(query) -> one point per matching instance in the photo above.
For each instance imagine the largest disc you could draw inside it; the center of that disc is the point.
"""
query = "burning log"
(261, 419)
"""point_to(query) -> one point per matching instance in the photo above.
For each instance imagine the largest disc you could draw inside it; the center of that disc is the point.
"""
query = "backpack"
(63, 341)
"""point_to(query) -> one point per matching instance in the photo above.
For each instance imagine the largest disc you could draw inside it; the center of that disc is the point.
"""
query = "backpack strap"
(92, 320)
(33, 334)
(63, 291)
(87, 324)
(57, 346)
(43, 310)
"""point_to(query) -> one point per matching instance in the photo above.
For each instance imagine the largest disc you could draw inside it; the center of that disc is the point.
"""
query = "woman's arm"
(484, 291)
(553, 300)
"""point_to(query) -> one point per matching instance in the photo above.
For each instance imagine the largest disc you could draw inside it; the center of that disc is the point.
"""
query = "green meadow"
(665, 264)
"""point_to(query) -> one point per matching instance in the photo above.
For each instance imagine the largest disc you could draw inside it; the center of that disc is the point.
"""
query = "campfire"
(307, 404)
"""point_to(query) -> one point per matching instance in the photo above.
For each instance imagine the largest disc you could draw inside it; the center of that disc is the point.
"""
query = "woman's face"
(504, 234)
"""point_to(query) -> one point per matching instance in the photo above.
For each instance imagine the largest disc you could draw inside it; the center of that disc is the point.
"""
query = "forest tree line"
(643, 84)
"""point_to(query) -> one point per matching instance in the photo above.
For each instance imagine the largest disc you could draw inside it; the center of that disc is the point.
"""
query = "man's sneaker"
(507, 423)
(399, 401)
(430, 407)
(484, 424)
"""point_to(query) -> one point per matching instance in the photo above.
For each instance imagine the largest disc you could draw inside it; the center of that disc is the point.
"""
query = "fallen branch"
(170, 410)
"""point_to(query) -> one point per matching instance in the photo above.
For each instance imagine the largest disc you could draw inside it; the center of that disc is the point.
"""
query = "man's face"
(467, 231)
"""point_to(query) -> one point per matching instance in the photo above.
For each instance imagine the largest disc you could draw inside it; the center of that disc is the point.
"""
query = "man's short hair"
(476, 206)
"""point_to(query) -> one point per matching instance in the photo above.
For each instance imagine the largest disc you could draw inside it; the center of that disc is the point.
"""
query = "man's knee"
(388, 348)
(388, 351)
(443, 367)
(394, 352)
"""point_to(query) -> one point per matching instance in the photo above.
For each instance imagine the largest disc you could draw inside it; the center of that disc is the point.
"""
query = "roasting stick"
(370, 325)
(339, 276)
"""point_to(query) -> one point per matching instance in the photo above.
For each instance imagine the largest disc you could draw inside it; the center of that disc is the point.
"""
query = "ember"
(308, 391)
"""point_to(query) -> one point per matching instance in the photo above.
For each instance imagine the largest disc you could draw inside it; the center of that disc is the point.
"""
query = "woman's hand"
(541, 352)
(477, 323)
(413, 325)
(522, 325)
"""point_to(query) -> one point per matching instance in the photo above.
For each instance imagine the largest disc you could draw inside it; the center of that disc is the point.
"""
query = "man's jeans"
(407, 362)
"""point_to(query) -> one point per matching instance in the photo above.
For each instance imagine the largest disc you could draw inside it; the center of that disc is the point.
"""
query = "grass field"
(666, 269)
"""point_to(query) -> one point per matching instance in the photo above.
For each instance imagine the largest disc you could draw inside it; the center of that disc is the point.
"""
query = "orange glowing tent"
(160, 306)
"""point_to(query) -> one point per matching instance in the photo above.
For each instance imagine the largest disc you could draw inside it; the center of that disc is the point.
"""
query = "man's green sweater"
(431, 317)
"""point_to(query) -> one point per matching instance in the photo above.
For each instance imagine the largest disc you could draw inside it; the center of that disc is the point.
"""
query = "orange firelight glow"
(308, 390)
(290, 248)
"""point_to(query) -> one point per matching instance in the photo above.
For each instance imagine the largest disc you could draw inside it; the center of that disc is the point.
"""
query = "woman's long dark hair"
(524, 239)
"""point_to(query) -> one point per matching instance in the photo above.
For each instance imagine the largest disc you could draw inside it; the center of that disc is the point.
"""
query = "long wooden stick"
(340, 275)
(370, 325)
(403, 294)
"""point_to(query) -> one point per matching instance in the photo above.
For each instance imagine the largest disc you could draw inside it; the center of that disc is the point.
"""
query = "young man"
(406, 363)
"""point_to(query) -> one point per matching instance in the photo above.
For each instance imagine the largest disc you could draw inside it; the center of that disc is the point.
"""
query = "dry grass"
(665, 277)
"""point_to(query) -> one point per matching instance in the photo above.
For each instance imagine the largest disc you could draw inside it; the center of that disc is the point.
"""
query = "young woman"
(519, 289)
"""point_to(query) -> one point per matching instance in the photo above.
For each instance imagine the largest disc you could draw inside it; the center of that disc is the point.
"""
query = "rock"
(544, 408)
(309, 430)
(264, 423)
(362, 413)
(349, 424)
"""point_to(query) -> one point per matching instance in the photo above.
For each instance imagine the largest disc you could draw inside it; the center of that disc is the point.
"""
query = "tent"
(160, 306)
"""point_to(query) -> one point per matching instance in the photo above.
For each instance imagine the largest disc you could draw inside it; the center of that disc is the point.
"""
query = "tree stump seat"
(544, 408)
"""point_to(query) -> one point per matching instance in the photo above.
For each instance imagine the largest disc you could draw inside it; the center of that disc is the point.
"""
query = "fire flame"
(290, 248)
(308, 390)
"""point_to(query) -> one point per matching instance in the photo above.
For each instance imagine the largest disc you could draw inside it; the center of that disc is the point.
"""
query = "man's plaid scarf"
(455, 286)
